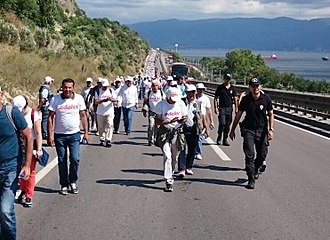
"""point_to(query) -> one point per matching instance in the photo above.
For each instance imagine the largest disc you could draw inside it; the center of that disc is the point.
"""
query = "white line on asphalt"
(43, 172)
(304, 130)
(217, 150)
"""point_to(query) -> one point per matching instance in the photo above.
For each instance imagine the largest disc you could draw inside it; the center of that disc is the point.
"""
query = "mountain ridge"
(277, 34)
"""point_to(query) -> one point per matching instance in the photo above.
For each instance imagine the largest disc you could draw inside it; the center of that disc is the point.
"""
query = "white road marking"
(301, 129)
(43, 172)
(217, 150)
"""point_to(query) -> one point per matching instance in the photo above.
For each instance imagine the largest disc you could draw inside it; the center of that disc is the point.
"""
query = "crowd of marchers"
(179, 116)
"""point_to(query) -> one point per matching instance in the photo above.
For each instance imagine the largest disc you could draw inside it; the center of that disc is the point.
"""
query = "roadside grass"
(23, 73)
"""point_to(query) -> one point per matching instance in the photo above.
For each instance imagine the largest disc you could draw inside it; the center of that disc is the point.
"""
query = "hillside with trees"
(55, 37)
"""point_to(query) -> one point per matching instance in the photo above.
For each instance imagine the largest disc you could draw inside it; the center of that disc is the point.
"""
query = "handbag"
(43, 159)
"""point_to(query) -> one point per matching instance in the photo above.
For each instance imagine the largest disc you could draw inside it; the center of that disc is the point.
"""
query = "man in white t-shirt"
(105, 113)
(171, 113)
(65, 111)
(206, 104)
(85, 94)
(115, 91)
(129, 98)
(151, 99)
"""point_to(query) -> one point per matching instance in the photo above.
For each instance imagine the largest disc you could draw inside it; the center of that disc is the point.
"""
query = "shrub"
(41, 37)
(27, 43)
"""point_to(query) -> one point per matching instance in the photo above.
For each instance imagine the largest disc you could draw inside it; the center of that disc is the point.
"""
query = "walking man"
(256, 129)
(115, 91)
(171, 113)
(206, 106)
(152, 98)
(13, 125)
(129, 98)
(65, 111)
(105, 113)
(85, 94)
(224, 98)
(45, 96)
(192, 128)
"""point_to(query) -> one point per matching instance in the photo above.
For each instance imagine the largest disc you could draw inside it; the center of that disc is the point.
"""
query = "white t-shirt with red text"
(104, 108)
(169, 111)
(67, 113)
(154, 99)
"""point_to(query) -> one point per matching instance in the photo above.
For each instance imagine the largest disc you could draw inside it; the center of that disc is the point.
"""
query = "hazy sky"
(132, 11)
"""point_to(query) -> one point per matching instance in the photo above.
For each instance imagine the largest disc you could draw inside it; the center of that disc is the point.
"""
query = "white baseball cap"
(200, 86)
(129, 78)
(89, 79)
(169, 78)
(173, 93)
(48, 79)
(19, 102)
(99, 80)
(190, 88)
(105, 83)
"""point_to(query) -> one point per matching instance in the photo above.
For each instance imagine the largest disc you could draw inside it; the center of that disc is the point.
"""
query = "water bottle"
(84, 141)
(203, 135)
(22, 175)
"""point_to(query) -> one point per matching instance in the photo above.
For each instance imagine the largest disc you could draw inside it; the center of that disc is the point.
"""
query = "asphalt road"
(121, 194)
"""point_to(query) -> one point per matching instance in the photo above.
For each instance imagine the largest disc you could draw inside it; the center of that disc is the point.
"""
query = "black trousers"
(225, 118)
(255, 147)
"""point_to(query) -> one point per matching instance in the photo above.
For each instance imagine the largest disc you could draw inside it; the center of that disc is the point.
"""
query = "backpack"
(9, 112)
(91, 94)
(149, 94)
(50, 94)
(197, 128)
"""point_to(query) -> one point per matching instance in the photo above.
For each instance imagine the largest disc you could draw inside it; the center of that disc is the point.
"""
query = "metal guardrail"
(309, 111)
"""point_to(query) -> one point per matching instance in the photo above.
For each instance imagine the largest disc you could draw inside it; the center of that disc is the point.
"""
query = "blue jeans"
(63, 142)
(8, 186)
(128, 116)
(199, 146)
(44, 121)
(116, 120)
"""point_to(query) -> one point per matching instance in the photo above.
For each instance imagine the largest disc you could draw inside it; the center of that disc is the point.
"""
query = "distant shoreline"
(307, 64)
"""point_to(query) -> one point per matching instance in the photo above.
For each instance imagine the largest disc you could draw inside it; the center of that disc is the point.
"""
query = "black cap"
(254, 81)
(227, 76)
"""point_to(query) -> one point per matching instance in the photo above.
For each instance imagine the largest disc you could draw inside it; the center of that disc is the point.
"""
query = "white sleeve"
(81, 102)
(52, 104)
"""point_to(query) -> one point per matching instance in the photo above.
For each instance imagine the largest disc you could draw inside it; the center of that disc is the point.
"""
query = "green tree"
(48, 10)
(243, 64)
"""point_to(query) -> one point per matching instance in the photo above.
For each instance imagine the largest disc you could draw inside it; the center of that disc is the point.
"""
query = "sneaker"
(262, 168)
(21, 197)
(256, 175)
(199, 157)
(97, 134)
(64, 191)
(189, 171)
(218, 140)
(168, 187)
(251, 183)
(108, 144)
(182, 173)
(116, 132)
(28, 202)
(225, 142)
(101, 143)
(74, 188)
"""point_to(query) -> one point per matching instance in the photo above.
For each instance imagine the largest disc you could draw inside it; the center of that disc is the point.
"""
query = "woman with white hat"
(33, 119)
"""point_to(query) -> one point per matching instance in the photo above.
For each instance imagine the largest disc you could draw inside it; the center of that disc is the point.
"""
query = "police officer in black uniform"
(224, 98)
(256, 129)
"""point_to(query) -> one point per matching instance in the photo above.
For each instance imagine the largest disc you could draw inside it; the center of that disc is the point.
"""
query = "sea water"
(308, 65)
